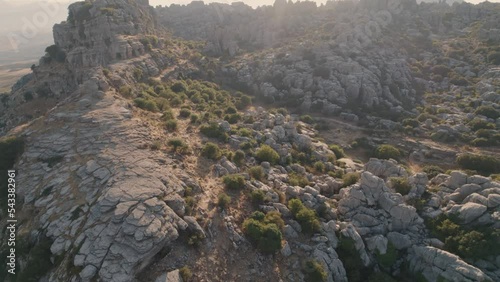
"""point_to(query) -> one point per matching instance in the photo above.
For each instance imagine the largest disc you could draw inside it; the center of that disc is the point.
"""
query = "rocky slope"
(145, 160)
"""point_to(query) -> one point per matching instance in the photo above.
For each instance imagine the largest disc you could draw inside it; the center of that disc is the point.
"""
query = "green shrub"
(295, 205)
(213, 130)
(432, 171)
(488, 111)
(339, 173)
(337, 150)
(257, 197)
(245, 132)
(177, 144)
(468, 243)
(314, 271)
(387, 152)
(179, 87)
(239, 157)
(481, 163)
(211, 151)
(295, 179)
(267, 236)
(184, 113)
(401, 185)
(257, 172)
(274, 217)
(477, 124)
(267, 154)
(185, 273)
(234, 181)
(425, 116)
(147, 105)
(319, 167)
(411, 122)
(308, 220)
(223, 200)
(306, 217)
(389, 258)
(194, 118)
(307, 119)
(171, 125)
(167, 115)
(350, 178)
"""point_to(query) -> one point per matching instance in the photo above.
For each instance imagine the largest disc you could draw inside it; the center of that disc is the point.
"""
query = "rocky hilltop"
(354, 141)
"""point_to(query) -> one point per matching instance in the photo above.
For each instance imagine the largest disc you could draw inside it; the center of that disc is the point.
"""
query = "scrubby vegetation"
(480, 163)
(467, 242)
(234, 181)
(387, 152)
(314, 271)
(267, 154)
(307, 218)
(401, 185)
(211, 151)
(262, 230)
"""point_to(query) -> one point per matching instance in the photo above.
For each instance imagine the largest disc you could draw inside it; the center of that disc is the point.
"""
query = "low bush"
(411, 122)
(319, 167)
(234, 181)
(171, 125)
(488, 111)
(257, 197)
(147, 105)
(184, 113)
(350, 178)
(177, 144)
(223, 200)
(480, 163)
(179, 87)
(307, 119)
(239, 158)
(194, 118)
(314, 271)
(266, 236)
(267, 154)
(307, 218)
(274, 217)
(185, 273)
(213, 130)
(468, 243)
(387, 152)
(257, 172)
(477, 124)
(295, 179)
(211, 151)
(432, 171)
(401, 185)
(232, 118)
(337, 150)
